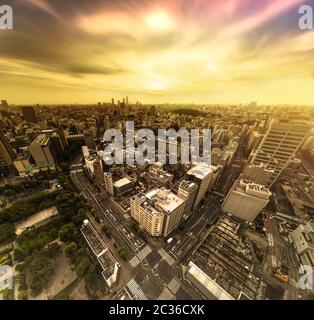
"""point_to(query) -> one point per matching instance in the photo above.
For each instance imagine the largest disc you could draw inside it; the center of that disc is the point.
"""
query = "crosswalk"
(174, 285)
(134, 291)
(166, 256)
(144, 252)
(135, 261)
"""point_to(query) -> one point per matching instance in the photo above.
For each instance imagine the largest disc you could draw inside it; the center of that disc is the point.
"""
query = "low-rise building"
(303, 240)
(36, 220)
(123, 186)
(110, 266)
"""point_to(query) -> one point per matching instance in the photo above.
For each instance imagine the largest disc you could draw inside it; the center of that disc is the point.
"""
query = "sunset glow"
(157, 51)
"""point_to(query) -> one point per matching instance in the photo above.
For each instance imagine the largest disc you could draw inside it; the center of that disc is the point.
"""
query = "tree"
(22, 295)
(82, 267)
(65, 167)
(79, 217)
(67, 232)
(69, 249)
(45, 183)
(272, 205)
(9, 193)
(7, 294)
(121, 252)
(7, 232)
(38, 273)
(53, 250)
(19, 254)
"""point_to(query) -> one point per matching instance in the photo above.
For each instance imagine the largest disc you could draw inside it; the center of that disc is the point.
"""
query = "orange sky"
(201, 51)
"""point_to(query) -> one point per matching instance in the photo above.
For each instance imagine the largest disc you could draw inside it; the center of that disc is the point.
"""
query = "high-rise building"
(158, 212)
(63, 138)
(98, 172)
(29, 114)
(41, 150)
(7, 154)
(89, 140)
(188, 191)
(108, 183)
(149, 219)
(4, 104)
(254, 138)
(106, 122)
(204, 176)
(279, 146)
(246, 200)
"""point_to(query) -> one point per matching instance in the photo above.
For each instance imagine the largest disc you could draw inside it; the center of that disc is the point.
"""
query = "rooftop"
(99, 248)
(35, 219)
(201, 170)
(252, 189)
(122, 182)
(41, 139)
(167, 200)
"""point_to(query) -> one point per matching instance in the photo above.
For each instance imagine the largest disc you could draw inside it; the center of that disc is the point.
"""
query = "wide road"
(200, 220)
(119, 229)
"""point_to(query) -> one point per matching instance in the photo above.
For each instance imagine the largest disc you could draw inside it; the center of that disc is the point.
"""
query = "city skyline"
(157, 52)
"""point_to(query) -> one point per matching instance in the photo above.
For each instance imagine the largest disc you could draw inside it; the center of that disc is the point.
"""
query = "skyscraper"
(7, 154)
(279, 146)
(98, 171)
(42, 151)
(108, 183)
(205, 176)
(106, 122)
(188, 191)
(29, 114)
(246, 199)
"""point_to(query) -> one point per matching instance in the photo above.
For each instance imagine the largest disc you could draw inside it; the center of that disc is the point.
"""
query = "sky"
(157, 51)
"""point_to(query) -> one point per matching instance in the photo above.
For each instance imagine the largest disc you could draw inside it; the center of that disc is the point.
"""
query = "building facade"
(279, 146)
(246, 200)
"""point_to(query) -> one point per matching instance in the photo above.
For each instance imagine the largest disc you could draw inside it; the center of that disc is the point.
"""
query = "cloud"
(176, 49)
(44, 6)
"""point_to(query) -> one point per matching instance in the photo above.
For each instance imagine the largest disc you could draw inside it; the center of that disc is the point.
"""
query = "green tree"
(67, 232)
(82, 267)
(7, 232)
(7, 294)
(70, 248)
(121, 252)
(9, 193)
(19, 254)
(272, 205)
(53, 250)
(22, 295)
(38, 273)
(45, 183)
